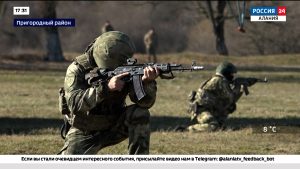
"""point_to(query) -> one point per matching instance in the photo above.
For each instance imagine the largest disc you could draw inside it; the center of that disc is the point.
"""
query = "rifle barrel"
(265, 80)
(197, 67)
(187, 68)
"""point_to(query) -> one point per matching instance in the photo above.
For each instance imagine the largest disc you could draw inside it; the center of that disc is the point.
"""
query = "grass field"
(30, 122)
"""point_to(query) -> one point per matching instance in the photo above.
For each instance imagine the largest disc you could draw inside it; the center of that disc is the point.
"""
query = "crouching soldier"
(215, 99)
(98, 114)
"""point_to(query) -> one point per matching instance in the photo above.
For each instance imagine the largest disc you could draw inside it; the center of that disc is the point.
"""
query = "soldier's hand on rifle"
(237, 88)
(150, 74)
(116, 83)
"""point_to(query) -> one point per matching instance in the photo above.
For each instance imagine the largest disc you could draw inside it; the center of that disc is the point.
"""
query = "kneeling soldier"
(98, 115)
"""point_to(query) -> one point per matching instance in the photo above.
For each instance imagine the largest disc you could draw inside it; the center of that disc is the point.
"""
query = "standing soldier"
(215, 100)
(150, 41)
(107, 27)
(98, 114)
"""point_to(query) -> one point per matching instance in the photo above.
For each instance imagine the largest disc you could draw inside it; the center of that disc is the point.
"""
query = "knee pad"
(205, 117)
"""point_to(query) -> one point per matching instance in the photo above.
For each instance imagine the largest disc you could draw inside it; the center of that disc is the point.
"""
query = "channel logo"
(268, 14)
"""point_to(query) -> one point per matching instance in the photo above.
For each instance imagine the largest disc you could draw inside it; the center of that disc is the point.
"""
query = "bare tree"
(276, 37)
(217, 22)
(53, 47)
(2, 9)
(219, 28)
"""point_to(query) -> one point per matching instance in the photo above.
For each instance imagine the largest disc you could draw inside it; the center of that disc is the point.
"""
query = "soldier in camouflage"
(107, 27)
(98, 115)
(215, 100)
(150, 41)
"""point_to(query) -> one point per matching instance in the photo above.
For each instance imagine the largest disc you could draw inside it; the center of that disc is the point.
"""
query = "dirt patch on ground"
(37, 62)
(33, 65)
(31, 61)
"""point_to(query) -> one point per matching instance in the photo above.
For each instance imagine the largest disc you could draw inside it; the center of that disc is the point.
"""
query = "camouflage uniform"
(213, 102)
(99, 117)
(150, 41)
(107, 27)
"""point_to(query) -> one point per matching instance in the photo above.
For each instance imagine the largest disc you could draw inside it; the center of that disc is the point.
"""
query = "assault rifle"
(248, 81)
(136, 71)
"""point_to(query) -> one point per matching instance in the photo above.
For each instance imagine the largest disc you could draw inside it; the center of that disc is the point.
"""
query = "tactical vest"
(193, 108)
(99, 118)
(195, 96)
(83, 62)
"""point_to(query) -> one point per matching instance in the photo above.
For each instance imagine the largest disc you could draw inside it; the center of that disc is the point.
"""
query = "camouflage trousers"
(206, 122)
(133, 125)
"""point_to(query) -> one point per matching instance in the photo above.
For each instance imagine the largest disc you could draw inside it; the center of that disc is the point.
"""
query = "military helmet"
(226, 68)
(112, 49)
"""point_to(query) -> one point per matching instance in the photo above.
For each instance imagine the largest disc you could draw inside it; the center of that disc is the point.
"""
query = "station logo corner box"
(268, 13)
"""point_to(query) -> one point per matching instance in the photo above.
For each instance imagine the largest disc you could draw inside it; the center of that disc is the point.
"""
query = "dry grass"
(29, 118)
